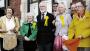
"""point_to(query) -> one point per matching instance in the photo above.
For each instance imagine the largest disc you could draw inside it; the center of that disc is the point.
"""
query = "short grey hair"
(43, 3)
(29, 14)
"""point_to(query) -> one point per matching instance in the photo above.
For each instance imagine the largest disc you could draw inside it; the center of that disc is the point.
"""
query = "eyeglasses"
(79, 6)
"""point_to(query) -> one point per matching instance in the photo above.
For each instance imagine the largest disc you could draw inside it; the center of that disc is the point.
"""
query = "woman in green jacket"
(29, 32)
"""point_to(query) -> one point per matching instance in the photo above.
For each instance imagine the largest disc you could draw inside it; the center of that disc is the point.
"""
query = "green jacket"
(24, 30)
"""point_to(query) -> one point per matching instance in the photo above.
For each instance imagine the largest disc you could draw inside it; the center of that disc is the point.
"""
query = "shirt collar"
(28, 22)
(45, 13)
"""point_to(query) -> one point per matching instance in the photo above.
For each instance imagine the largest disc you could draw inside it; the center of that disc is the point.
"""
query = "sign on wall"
(2, 3)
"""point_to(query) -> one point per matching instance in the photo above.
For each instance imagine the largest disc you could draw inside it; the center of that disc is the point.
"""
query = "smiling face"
(42, 7)
(9, 11)
(73, 7)
(61, 8)
(29, 18)
(79, 7)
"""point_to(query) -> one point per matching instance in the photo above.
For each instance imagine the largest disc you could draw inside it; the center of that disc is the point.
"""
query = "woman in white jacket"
(62, 23)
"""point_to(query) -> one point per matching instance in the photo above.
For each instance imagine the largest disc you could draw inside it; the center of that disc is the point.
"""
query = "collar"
(45, 13)
(28, 22)
(62, 14)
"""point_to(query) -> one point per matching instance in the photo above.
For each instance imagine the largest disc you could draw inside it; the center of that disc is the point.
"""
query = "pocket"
(9, 41)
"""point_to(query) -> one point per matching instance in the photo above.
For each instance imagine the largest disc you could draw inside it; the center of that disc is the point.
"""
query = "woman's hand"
(2, 31)
(53, 22)
(26, 38)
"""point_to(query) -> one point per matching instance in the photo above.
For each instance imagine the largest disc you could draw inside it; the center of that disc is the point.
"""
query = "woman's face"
(61, 8)
(30, 18)
(80, 7)
(9, 11)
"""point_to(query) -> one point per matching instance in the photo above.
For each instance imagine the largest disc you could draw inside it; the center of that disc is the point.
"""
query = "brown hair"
(9, 8)
(82, 2)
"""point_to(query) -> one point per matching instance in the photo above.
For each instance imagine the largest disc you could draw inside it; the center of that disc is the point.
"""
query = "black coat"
(45, 34)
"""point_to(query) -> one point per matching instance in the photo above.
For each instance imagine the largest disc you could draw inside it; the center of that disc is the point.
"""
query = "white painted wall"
(2, 3)
(23, 9)
(49, 6)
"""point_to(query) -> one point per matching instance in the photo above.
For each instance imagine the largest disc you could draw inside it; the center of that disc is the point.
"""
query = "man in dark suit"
(45, 35)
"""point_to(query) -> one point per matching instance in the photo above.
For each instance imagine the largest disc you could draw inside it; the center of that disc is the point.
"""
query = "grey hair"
(43, 2)
(29, 14)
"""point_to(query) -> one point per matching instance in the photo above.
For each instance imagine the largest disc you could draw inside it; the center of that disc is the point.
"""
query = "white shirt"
(44, 14)
(59, 28)
(10, 24)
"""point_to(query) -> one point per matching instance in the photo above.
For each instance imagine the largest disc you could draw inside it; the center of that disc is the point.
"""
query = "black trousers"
(29, 45)
(1, 45)
(45, 47)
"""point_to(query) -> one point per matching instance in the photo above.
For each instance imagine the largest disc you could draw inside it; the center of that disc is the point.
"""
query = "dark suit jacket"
(45, 34)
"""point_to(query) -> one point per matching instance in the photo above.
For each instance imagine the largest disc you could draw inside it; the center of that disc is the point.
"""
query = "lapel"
(39, 17)
(48, 15)
(4, 22)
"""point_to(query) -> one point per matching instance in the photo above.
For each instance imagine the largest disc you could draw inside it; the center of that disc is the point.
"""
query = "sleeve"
(34, 33)
(86, 33)
(22, 32)
(71, 30)
(0, 26)
(17, 24)
(69, 19)
(0, 23)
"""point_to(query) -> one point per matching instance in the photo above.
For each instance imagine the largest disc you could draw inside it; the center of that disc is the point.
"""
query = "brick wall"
(15, 4)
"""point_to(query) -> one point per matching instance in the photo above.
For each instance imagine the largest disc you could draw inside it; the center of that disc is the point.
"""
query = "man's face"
(61, 8)
(79, 7)
(55, 7)
(73, 7)
(9, 11)
(42, 8)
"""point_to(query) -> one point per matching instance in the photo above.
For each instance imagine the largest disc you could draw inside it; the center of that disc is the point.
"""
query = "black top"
(45, 34)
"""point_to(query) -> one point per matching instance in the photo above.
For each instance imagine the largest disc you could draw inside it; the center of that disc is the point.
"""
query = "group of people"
(51, 30)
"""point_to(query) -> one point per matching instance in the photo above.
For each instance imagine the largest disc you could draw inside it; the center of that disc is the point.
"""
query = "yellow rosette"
(62, 20)
(46, 20)
(34, 24)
